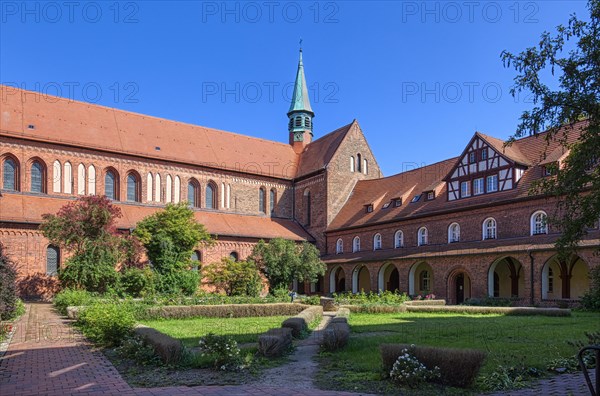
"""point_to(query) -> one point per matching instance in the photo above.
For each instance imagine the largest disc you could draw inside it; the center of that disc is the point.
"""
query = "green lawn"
(242, 330)
(534, 340)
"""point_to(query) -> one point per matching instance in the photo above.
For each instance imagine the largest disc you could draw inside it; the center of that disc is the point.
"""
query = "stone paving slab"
(560, 385)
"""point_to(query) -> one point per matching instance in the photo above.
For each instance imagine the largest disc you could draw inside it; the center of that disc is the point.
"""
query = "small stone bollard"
(328, 304)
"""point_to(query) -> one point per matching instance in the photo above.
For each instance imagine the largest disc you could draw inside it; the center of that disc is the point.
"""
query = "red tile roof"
(29, 208)
(318, 154)
(409, 184)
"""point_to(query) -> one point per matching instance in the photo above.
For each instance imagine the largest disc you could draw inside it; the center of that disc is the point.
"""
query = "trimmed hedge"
(300, 322)
(166, 347)
(458, 367)
(375, 308)
(525, 311)
(337, 334)
(224, 311)
(425, 302)
(275, 342)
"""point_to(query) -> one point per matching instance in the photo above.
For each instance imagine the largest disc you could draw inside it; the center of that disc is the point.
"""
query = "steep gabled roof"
(318, 154)
(66, 121)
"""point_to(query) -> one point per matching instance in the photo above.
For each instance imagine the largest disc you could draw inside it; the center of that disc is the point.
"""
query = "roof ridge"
(133, 113)
(408, 172)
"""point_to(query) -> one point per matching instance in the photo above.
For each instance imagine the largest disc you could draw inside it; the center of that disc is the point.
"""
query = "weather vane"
(300, 44)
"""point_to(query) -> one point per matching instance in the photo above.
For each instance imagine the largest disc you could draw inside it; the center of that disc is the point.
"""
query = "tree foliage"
(282, 261)
(570, 59)
(8, 286)
(235, 278)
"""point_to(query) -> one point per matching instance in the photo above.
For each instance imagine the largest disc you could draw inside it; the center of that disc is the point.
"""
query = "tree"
(8, 286)
(170, 236)
(86, 228)
(282, 261)
(235, 278)
(572, 58)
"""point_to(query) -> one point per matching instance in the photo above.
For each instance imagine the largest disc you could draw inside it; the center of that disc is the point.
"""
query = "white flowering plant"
(409, 371)
(223, 351)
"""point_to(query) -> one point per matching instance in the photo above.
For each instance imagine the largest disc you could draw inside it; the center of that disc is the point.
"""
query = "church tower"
(300, 114)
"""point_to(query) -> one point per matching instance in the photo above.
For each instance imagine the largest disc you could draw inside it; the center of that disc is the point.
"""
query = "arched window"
(234, 256)
(149, 187)
(262, 198)
(352, 163)
(111, 185)
(423, 237)
(37, 177)
(157, 188)
(377, 242)
(356, 244)
(193, 196)
(81, 179)
(91, 180)
(222, 195)
(424, 280)
(339, 246)
(307, 207)
(453, 233)
(133, 188)
(365, 167)
(398, 239)
(196, 260)
(211, 196)
(52, 260)
(358, 163)
(272, 200)
(228, 196)
(56, 177)
(489, 228)
(169, 189)
(68, 178)
(539, 223)
(10, 175)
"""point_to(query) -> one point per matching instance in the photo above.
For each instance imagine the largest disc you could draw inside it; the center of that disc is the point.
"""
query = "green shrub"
(107, 323)
(178, 282)
(167, 348)
(8, 287)
(591, 299)
(491, 302)
(136, 348)
(409, 371)
(236, 278)
(72, 298)
(375, 308)
(506, 377)
(222, 350)
(137, 282)
(458, 367)
(92, 270)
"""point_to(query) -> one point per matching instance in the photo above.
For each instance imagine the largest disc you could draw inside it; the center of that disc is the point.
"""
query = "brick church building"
(464, 227)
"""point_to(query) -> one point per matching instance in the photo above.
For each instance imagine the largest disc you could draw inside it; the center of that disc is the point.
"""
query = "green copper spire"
(300, 113)
(300, 99)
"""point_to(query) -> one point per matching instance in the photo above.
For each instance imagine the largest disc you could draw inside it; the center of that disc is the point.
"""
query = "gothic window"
(211, 196)
(307, 207)
(339, 246)
(262, 205)
(68, 178)
(56, 177)
(193, 196)
(196, 259)
(352, 163)
(272, 200)
(37, 177)
(234, 256)
(91, 180)
(52, 260)
(133, 188)
(111, 185)
(10, 175)
(81, 179)
(489, 228)
(358, 163)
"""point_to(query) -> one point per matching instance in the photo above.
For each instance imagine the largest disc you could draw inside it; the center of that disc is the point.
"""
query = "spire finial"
(300, 44)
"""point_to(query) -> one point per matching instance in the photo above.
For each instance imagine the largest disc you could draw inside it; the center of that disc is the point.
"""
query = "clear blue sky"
(420, 77)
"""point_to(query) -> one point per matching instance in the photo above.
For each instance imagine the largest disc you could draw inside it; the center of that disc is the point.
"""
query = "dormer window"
(430, 195)
(369, 208)
(416, 198)
(386, 205)
(397, 202)
(550, 169)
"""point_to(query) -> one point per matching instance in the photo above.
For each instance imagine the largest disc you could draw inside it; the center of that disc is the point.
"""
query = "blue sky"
(420, 77)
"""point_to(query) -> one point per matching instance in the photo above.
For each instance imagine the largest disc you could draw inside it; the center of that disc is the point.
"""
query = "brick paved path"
(47, 357)
(560, 385)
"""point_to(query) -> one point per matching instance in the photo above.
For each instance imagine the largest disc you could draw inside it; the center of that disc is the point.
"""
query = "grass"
(189, 331)
(529, 340)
